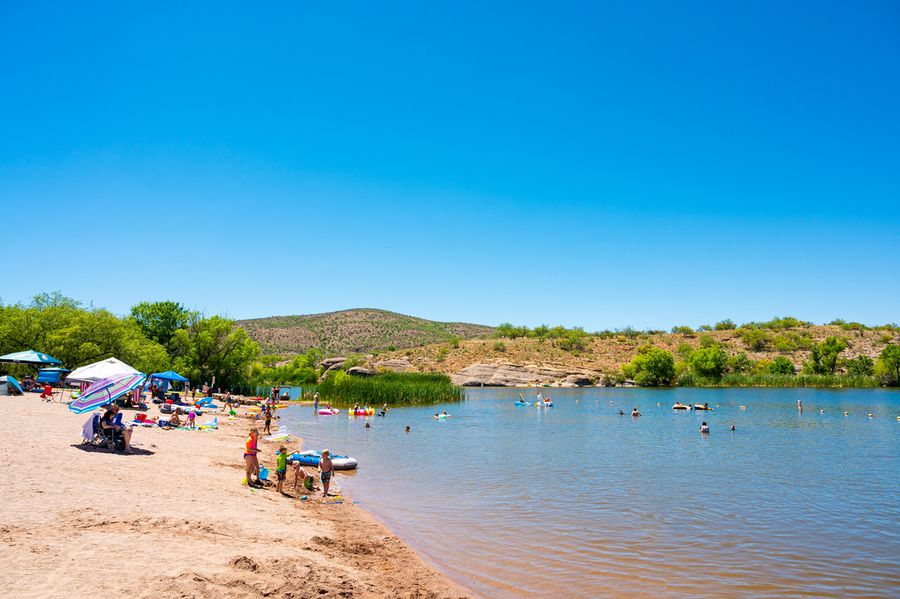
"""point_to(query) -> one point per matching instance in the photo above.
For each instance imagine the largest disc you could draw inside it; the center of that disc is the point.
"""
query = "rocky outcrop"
(332, 363)
(395, 365)
(515, 375)
(360, 371)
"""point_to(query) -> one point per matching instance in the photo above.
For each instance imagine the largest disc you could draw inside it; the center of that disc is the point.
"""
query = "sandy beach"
(174, 520)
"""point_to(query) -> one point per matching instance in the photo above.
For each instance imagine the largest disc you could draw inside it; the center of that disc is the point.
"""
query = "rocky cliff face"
(515, 375)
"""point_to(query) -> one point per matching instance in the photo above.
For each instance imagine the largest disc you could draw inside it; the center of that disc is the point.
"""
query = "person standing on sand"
(327, 470)
(251, 458)
(268, 430)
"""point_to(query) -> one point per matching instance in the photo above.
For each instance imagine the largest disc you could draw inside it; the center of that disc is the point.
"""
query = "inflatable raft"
(328, 411)
(361, 412)
(311, 458)
(700, 406)
(681, 406)
(522, 403)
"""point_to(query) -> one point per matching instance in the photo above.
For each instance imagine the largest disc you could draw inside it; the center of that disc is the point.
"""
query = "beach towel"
(212, 424)
(87, 431)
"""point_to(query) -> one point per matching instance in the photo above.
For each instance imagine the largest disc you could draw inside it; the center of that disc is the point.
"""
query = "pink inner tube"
(325, 412)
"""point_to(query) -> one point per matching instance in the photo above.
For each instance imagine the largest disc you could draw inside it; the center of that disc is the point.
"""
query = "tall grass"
(779, 380)
(392, 388)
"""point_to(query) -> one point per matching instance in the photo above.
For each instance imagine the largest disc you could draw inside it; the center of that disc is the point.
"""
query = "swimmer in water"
(732, 428)
(621, 413)
(704, 428)
(634, 412)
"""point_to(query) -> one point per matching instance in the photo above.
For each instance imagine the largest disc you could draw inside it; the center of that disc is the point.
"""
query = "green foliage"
(160, 320)
(860, 366)
(299, 370)
(726, 325)
(684, 351)
(739, 363)
(683, 330)
(454, 342)
(824, 356)
(781, 365)
(651, 367)
(214, 347)
(573, 340)
(790, 341)
(708, 341)
(788, 380)
(499, 346)
(392, 388)
(709, 361)
(704, 328)
(778, 323)
(77, 335)
(444, 352)
(889, 364)
(755, 339)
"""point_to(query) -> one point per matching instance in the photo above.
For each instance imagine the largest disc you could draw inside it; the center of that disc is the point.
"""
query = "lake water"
(578, 501)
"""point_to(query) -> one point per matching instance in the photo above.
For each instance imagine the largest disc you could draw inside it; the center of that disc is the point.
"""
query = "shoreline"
(175, 520)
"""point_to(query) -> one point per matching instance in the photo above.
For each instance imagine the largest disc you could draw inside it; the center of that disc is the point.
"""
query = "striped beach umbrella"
(106, 390)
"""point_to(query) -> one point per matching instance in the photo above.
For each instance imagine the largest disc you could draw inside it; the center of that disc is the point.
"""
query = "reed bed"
(392, 388)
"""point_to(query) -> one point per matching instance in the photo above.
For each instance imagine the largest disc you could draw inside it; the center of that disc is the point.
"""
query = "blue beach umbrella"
(30, 357)
(106, 390)
(9, 386)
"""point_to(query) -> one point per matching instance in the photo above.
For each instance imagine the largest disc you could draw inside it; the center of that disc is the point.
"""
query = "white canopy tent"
(99, 370)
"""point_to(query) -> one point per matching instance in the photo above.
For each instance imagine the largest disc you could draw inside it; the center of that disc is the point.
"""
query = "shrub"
(651, 367)
(499, 346)
(683, 330)
(684, 351)
(755, 339)
(781, 365)
(454, 342)
(860, 366)
(708, 341)
(739, 363)
(725, 325)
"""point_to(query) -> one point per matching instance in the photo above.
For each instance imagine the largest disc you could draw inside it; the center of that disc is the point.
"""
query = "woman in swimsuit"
(251, 459)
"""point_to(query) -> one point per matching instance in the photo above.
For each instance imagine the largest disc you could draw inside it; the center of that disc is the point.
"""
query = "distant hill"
(354, 331)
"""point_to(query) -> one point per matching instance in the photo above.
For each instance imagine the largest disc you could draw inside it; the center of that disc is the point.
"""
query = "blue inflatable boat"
(311, 458)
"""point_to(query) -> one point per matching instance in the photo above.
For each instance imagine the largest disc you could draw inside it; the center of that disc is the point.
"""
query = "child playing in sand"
(281, 468)
(190, 418)
(327, 470)
(250, 458)
(300, 474)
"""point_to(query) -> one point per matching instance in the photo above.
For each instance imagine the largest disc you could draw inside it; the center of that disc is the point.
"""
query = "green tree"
(709, 362)
(889, 363)
(651, 367)
(824, 357)
(726, 325)
(683, 330)
(160, 320)
(860, 366)
(214, 347)
(781, 365)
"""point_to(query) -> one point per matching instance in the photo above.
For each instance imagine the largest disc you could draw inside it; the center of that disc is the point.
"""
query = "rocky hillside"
(355, 331)
(527, 361)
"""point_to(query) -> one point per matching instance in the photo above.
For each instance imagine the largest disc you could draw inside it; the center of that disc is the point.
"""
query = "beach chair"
(92, 432)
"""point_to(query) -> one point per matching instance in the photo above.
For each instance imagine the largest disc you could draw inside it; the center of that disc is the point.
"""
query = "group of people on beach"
(301, 476)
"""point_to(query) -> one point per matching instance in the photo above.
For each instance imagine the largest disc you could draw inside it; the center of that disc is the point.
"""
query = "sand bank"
(174, 520)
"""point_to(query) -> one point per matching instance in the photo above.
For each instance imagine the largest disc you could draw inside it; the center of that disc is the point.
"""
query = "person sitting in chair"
(108, 422)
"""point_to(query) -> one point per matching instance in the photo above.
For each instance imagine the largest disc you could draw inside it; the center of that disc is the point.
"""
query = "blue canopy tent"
(169, 375)
(51, 375)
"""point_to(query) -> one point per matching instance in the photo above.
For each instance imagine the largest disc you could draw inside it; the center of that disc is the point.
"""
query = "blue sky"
(593, 164)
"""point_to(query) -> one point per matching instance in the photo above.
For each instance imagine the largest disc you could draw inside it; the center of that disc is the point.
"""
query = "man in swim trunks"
(327, 470)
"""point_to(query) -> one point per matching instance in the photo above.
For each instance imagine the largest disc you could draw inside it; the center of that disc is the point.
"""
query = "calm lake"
(578, 501)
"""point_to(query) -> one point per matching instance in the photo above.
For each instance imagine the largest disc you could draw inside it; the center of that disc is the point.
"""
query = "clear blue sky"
(595, 164)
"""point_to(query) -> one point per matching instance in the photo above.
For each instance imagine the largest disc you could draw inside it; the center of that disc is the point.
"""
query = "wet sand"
(174, 520)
